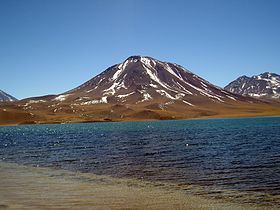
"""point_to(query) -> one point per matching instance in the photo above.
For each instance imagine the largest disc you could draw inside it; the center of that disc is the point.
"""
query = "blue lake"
(235, 159)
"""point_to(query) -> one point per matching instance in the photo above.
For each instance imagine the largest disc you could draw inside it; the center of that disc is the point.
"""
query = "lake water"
(237, 160)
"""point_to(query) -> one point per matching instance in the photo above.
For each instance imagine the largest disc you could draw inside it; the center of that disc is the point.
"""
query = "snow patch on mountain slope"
(205, 93)
(61, 97)
(164, 93)
(155, 78)
(125, 95)
(116, 86)
(121, 68)
(170, 70)
(184, 89)
(188, 103)
(257, 95)
(103, 100)
(179, 96)
(153, 85)
(36, 101)
(146, 97)
(230, 97)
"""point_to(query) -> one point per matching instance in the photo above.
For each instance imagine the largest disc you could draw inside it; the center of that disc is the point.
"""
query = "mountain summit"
(265, 85)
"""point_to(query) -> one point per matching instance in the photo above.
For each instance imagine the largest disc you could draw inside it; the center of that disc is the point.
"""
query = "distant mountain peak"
(6, 97)
(244, 77)
(264, 85)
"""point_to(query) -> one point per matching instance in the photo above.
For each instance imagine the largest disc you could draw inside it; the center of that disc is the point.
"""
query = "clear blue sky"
(51, 46)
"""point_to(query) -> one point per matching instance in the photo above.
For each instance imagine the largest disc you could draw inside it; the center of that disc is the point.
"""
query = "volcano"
(141, 79)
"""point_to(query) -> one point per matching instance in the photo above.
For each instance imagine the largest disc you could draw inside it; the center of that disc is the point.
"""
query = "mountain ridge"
(263, 86)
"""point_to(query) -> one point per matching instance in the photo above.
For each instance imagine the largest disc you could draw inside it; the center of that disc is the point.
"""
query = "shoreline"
(27, 187)
(144, 120)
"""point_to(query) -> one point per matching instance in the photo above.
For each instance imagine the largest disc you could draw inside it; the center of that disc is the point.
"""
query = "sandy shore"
(25, 187)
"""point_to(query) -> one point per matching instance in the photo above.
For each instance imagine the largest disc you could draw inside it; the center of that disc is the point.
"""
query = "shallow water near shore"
(230, 161)
(25, 187)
